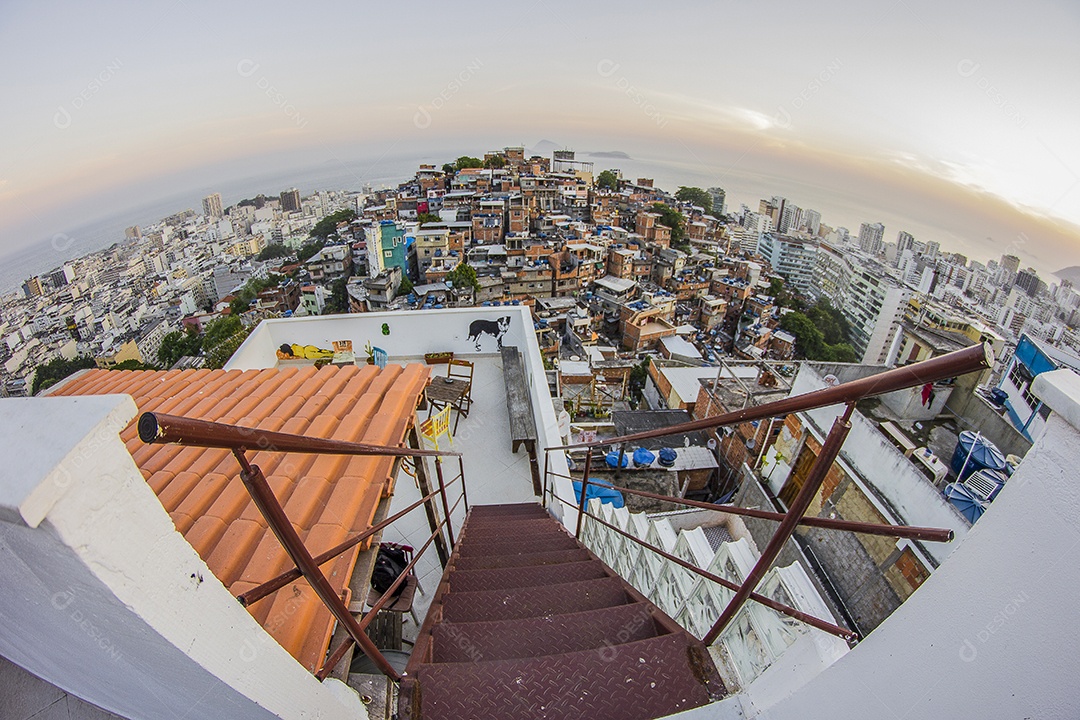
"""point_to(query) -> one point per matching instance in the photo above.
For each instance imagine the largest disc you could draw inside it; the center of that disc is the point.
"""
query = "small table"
(448, 391)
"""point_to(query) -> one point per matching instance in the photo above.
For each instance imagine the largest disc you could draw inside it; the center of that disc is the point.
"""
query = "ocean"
(741, 186)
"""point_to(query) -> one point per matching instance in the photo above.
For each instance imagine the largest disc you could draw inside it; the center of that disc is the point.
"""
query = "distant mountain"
(1071, 273)
(544, 148)
(614, 154)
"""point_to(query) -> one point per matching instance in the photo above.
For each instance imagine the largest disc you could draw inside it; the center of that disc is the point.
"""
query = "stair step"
(513, 525)
(533, 601)
(523, 577)
(510, 509)
(555, 542)
(648, 678)
(538, 538)
(554, 557)
(533, 637)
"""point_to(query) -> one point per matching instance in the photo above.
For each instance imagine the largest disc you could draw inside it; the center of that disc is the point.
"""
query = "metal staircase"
(527, 623)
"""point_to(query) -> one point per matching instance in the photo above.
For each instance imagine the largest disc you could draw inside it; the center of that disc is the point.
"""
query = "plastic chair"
(437, 425)
(379, 356)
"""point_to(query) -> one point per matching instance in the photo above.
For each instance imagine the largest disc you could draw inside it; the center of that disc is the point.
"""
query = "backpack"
(389, 564)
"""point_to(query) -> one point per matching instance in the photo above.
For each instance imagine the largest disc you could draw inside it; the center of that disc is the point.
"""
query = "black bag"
(389, 564)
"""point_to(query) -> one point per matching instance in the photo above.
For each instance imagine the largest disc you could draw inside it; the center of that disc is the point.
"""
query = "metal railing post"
(461, 474)
(829, 450)
(581, 497)
(445, 504)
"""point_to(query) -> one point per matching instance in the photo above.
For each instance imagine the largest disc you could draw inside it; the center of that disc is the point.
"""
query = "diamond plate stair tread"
(492, 527)
(644, 679)
(534, 601)
(546, 544)
(523, 577)
(538, 539)
(550, 635)
(482, 562)
(509, 509)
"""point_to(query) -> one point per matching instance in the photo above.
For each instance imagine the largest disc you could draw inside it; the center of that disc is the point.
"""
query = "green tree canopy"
(328, 225)
(247, 294)
(273, 251)
(308, 249)
(449, 168)
(52, 372)
(607, 180)
(495, 162)
(463, 276)
(465, 162)
(176, 345)
(673, 219)
(133, 364)
(219, 330)
(406, 286)
(425, 217)
(695, 196)
(813, 331)
(338, 302)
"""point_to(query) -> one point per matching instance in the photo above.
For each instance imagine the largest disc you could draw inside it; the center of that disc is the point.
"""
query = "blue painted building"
(1031, 358)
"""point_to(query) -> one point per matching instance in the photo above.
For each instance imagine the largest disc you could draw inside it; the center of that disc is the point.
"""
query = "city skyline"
(125, 106)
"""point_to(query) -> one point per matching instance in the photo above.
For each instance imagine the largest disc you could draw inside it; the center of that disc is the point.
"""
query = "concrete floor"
(23, 696)
(493, 475)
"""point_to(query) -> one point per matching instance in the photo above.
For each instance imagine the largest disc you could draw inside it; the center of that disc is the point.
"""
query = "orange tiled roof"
(327, 497)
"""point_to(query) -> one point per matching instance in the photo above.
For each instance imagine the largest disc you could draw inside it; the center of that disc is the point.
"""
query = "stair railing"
(162, 428)
(960, 362)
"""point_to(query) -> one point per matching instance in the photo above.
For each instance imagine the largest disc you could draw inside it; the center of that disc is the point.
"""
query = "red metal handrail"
(971, 359)
(161, 428)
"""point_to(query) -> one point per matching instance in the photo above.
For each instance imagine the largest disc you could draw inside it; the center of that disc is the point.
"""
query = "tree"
(273, 251)
(328, 225)
(809, 341)
(219, 330)
(425, 217)
(638, 375)
(463, 276)
(338, 302)
(672, 218)
(52, 372)
(464, 162)
(133, 364)
(695, 196)
(406, 286)
(449, 168)
(176, 345)
(607, 180)
(308, 249)
(495, 162)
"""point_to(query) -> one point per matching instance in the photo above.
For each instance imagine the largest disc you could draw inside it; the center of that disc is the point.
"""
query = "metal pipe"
(274, 584)
(271, 509)
(581, 498)
(829, 450)
(908, 532)
(461, 474)
(762, 599)
(960, 362)
(445, 504)
(334, 659)
(162, 428)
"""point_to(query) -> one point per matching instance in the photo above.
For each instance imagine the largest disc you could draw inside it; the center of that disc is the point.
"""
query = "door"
(798, 476)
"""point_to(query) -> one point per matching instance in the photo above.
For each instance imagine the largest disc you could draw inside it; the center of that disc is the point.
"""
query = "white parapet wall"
(993, 632)
(102, 597)
(412, 334)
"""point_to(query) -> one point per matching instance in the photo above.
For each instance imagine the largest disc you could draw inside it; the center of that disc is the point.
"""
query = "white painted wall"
(412, 334)
(102, 597)
(911, 498)
(992, 632)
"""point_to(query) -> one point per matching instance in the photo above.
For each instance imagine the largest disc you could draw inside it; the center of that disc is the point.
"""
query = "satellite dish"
(831, 380)
(711, 444)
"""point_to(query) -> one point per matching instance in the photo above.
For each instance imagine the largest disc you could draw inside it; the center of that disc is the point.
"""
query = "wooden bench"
(519, 407)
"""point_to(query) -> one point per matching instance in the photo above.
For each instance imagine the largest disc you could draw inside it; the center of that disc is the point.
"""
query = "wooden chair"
(462, 370)
(403, 603)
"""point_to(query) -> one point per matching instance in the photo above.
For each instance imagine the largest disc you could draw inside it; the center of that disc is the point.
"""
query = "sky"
(954, 120)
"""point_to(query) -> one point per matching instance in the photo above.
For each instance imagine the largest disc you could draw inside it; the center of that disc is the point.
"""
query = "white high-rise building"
(871, 238)
(212, 206)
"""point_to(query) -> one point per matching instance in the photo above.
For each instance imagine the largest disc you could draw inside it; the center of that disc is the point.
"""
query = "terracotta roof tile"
(326, 497)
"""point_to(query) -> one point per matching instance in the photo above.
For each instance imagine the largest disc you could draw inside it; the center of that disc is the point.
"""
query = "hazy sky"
(957, 118)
